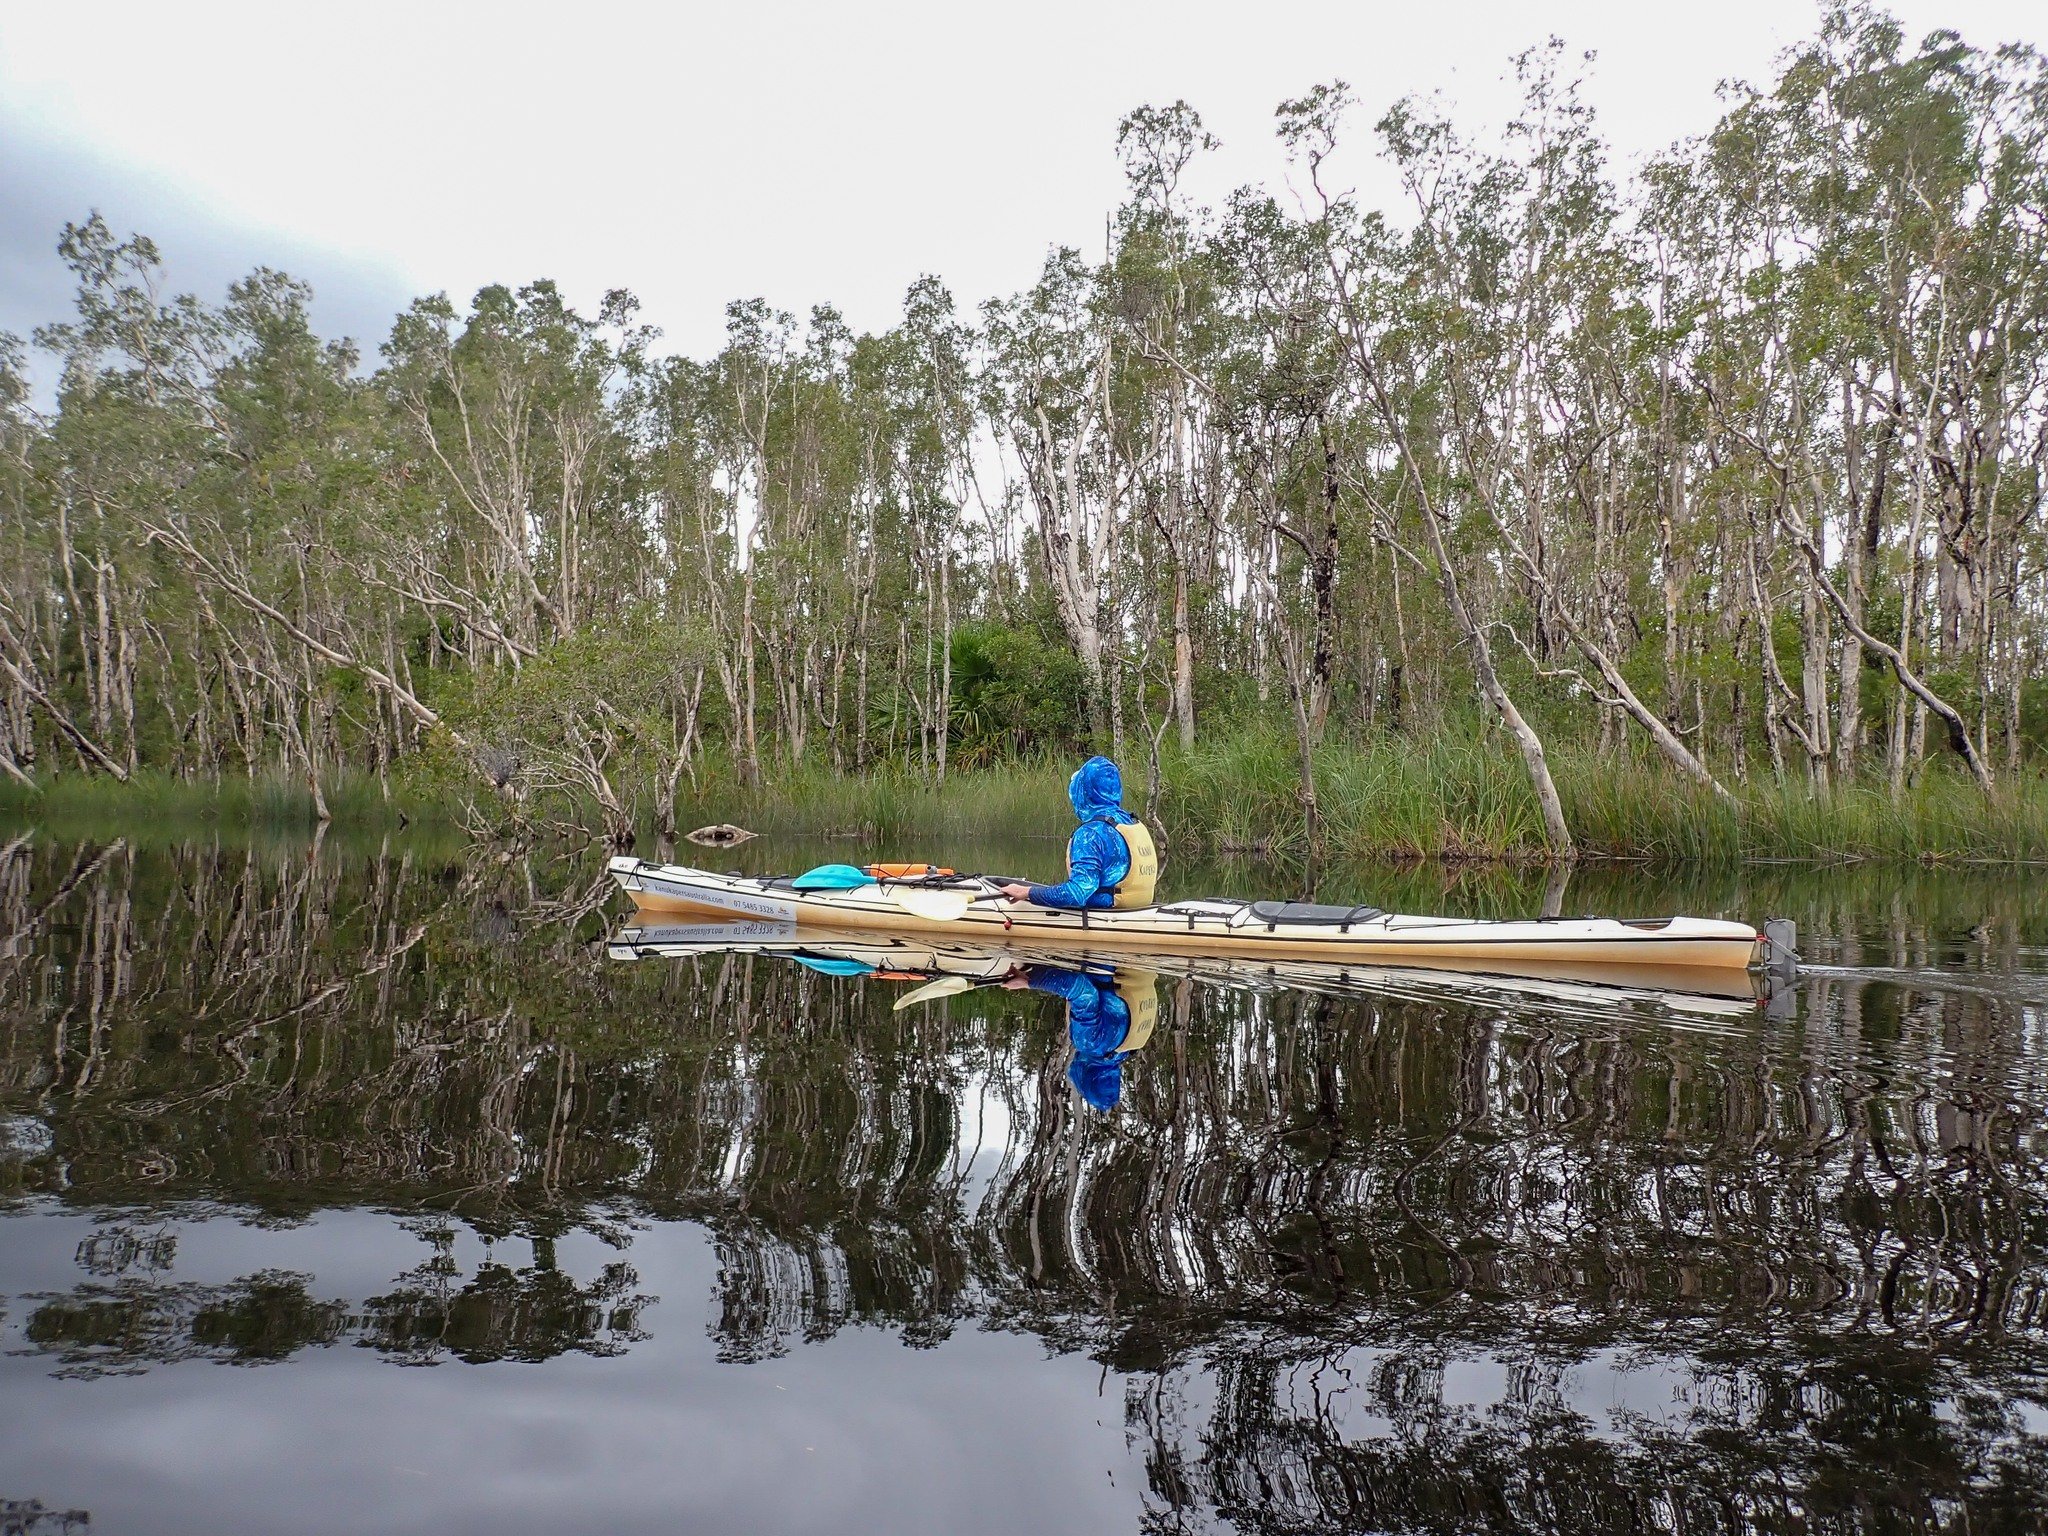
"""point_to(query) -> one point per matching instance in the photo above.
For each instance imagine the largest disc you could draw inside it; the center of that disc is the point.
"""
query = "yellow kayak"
(969, 908)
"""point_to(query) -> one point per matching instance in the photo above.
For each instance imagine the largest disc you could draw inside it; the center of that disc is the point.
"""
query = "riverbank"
(1455, 800)
(1468, 798)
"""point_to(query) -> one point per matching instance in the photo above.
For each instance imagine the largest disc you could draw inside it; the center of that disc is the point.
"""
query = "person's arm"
(1072, 987)
(1084, 877)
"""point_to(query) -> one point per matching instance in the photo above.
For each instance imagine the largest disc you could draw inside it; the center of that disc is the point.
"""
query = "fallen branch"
(86, 746)
(181, 543)
(1958, 728)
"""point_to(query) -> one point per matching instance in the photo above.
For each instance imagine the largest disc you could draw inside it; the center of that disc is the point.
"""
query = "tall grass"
(1631, 809)
(1455, 796)
(1462, 796)
(1447, 798)
(893, 809)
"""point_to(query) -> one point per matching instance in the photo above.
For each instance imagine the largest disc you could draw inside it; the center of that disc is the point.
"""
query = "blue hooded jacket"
(1098, 1022)
(1097, 856)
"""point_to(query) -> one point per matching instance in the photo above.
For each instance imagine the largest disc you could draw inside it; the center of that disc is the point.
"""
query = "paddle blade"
(931, 992)
(933, 906)
(830, 965)
(832, 877)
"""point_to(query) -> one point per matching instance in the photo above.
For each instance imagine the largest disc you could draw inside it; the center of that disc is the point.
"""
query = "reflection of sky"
(852, 1433)
(986, 1131)
(1609, 1393)
(988, 1431)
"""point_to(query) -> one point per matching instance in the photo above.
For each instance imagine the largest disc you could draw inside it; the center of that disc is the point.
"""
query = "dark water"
(365, 1192)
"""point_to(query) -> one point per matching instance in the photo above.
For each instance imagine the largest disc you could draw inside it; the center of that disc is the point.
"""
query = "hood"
(1097, 790)
(1100, 1083)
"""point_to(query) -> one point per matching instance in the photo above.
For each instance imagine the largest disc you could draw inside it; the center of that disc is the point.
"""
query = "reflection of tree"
(1827, 1238)
(772, 1290)
(114, 1250)
(27, 1517)
(499, 1313)
(124, 1327)
(505, 1314)
(1366, 1440)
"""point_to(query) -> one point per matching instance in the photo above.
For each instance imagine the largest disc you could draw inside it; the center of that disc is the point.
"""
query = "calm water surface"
(363, 1189)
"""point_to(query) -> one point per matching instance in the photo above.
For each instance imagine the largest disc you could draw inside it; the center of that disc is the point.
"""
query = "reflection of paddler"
(1109, 1015)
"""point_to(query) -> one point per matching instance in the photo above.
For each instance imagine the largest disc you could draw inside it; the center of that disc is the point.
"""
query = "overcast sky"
(701, 153)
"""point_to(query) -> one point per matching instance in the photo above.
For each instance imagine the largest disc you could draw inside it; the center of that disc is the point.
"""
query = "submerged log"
(723, 835)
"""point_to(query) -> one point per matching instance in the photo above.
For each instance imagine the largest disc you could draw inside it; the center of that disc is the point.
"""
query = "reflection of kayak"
(1276, 930)
(904, 957)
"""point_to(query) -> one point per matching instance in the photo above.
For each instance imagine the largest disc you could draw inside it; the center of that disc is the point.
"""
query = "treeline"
(1734, 464)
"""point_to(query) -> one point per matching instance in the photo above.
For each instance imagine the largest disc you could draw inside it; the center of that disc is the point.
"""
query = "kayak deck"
(1275, 930)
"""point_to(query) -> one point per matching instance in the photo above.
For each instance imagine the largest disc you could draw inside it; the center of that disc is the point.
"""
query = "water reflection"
(1389, 1250)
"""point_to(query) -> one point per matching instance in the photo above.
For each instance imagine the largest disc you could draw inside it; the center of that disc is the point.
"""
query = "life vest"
(1140, 993)
(1142, 878)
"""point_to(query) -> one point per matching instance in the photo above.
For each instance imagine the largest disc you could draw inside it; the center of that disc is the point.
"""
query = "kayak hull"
(1206, 927)
(1693, 990)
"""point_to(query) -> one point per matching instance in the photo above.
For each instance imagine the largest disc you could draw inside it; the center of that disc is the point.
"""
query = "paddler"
(1110, 1015)
(1111, 860)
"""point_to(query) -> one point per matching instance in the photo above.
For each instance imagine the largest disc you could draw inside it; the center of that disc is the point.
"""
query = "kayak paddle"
(932, 991)
(833, 877)
(845, 877)
(933, 906)
(938, 906)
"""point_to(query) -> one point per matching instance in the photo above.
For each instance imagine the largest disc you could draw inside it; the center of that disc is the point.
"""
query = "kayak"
(870, 955)
(969, 907)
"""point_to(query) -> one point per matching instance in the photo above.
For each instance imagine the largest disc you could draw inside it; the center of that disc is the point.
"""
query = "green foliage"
(634, 670)
(1016, 694)
(1288, 479)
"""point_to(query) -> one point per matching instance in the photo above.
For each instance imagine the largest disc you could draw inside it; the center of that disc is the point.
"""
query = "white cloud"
(805, 152)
